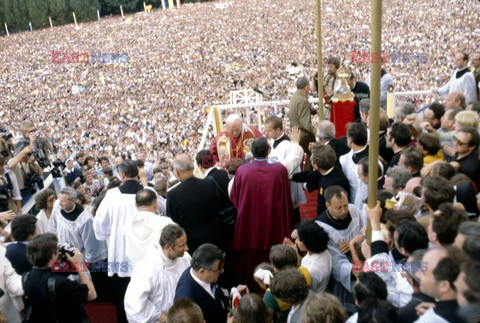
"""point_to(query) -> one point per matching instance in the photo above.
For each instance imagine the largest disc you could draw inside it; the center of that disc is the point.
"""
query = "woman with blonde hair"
(466, 119)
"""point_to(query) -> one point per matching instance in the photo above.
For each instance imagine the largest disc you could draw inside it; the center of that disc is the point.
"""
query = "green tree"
(4, 15)
(113, 6)
(59, 11)
(84, 9)
(37, 13)
(19, 16)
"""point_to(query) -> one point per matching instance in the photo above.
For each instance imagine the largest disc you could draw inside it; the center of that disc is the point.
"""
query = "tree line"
(19, 13)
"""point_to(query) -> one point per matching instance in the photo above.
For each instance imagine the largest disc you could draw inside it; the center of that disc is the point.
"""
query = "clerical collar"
(73, 214)
(280, 137)
(167, 261)
(461, 72)
(130, 187)
(208, 171)
(336, 224)
(328, 171)
(74, 206)
(360, 154)
(284, 137)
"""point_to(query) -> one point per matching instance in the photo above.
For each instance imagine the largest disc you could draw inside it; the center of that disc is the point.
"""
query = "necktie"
(214, 290)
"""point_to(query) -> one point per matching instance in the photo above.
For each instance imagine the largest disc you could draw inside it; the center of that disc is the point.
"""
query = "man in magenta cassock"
(261, 194)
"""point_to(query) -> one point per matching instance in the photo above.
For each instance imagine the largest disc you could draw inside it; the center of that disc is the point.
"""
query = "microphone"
(256, 89)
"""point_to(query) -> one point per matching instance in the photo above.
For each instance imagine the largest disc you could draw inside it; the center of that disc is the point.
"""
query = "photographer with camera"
(10, 198)
(28, 170)
(48, 295)
(6, 144)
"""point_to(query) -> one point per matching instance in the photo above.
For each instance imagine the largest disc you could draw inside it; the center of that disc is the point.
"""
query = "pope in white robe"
(151, 290)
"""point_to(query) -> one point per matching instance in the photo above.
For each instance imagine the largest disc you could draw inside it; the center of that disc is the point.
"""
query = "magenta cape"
(261, 195)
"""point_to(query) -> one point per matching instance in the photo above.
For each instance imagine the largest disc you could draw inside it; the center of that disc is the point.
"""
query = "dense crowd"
(181, 62)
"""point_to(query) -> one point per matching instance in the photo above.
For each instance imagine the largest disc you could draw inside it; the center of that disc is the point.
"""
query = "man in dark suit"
(326, 136)
(325, 174)
(360, 90)
(23, 230)
(397, 138)
(194, 205)
(198, 283)
(465, 161)
(206, 164)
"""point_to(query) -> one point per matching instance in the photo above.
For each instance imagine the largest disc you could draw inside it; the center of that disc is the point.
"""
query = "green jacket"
(299, 112)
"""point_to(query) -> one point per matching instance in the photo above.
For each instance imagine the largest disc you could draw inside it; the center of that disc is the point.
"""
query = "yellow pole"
(319, 60)
(218, 126)
(390, 103)
(375, 69)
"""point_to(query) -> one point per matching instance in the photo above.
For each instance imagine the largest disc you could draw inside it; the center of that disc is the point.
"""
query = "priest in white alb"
(73, 225)
(109, 224)
(462, 80)
(289, 153)
(154, 279)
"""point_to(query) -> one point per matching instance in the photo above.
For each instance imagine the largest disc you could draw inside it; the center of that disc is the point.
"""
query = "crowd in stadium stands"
(136, 216)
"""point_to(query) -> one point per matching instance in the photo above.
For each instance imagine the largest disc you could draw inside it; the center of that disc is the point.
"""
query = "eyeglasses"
(219, 269)
(52, 199)
(455, 139)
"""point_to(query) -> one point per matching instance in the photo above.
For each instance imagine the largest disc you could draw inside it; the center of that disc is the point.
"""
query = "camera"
(5, 189)
(30, 180)
(7, 135)
(58, 165)
(65, 249)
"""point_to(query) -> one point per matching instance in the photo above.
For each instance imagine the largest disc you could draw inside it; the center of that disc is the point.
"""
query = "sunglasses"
(52, 199)
(459, 142)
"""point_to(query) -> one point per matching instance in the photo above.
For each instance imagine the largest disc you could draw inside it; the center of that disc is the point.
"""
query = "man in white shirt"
(438, 282)
(357, 141)
(313, 239)
(154, 279)
(109, 224)
(143, 230)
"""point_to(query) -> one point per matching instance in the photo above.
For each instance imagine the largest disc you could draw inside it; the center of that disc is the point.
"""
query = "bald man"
(455, 100)
(234, 141)
(193, 204)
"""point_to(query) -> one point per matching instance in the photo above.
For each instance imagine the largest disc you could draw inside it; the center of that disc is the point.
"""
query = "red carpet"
(101, 312)
(308, 211)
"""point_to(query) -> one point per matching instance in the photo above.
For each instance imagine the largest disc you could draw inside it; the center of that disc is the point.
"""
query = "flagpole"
(319, 61)
(375, 68)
